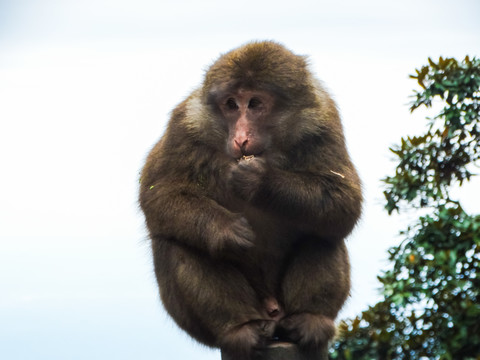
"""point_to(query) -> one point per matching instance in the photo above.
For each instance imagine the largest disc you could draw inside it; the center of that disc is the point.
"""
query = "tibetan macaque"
(248, 199)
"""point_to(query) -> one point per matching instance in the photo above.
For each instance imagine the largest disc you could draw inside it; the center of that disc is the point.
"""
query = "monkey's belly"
(266, 261)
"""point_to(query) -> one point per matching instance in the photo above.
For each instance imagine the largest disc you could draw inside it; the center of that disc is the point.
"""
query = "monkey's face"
(248, 115)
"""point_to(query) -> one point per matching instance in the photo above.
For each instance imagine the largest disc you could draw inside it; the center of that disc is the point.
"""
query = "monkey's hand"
(246, 176)
(231, 239)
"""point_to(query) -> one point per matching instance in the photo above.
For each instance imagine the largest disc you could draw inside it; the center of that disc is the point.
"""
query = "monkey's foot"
(243, 339)
(307, 330)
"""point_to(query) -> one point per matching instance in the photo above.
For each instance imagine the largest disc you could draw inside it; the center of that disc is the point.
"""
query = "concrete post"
(285, 351)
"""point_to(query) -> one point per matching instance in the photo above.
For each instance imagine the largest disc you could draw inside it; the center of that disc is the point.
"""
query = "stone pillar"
(285, 351)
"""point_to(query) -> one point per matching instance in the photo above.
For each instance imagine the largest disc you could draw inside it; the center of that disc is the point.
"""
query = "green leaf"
(430, 307)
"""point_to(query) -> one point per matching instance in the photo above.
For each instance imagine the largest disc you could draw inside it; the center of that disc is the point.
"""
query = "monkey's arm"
(325, 202)
(177, 208)
(328, 204)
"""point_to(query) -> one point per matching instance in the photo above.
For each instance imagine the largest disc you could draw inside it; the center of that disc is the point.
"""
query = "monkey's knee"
(317, 280)
(205, 296)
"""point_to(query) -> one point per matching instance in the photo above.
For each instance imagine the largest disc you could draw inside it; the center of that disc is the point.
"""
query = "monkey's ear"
(213, 94)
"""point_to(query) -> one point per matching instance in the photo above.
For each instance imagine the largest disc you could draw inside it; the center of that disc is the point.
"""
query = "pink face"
(247, 113)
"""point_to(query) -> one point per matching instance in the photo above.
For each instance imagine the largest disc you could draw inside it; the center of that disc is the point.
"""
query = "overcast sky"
(86, 88)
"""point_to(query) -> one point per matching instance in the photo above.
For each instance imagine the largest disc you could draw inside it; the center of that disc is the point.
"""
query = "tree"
(431, 293)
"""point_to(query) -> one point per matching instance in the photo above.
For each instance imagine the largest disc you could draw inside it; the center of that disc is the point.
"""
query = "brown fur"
(246, 251)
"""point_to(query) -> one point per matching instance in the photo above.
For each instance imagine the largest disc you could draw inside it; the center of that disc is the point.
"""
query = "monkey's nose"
(242, 145)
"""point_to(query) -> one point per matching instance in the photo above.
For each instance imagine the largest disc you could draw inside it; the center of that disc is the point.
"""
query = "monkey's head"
(252, 90)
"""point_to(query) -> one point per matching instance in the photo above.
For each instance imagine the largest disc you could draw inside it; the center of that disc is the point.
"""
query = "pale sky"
(86, 88)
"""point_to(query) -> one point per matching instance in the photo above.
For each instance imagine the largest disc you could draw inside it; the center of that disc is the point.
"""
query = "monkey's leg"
(211, 299)
(314, 288)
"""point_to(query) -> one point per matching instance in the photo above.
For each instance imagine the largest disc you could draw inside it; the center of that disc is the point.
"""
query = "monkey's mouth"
(246, 158)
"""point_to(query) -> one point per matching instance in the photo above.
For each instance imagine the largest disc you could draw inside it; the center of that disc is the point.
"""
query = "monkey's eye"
(231, 104)
(254, 103)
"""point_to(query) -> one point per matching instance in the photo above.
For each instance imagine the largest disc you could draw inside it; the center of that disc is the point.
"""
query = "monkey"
(248, 198)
